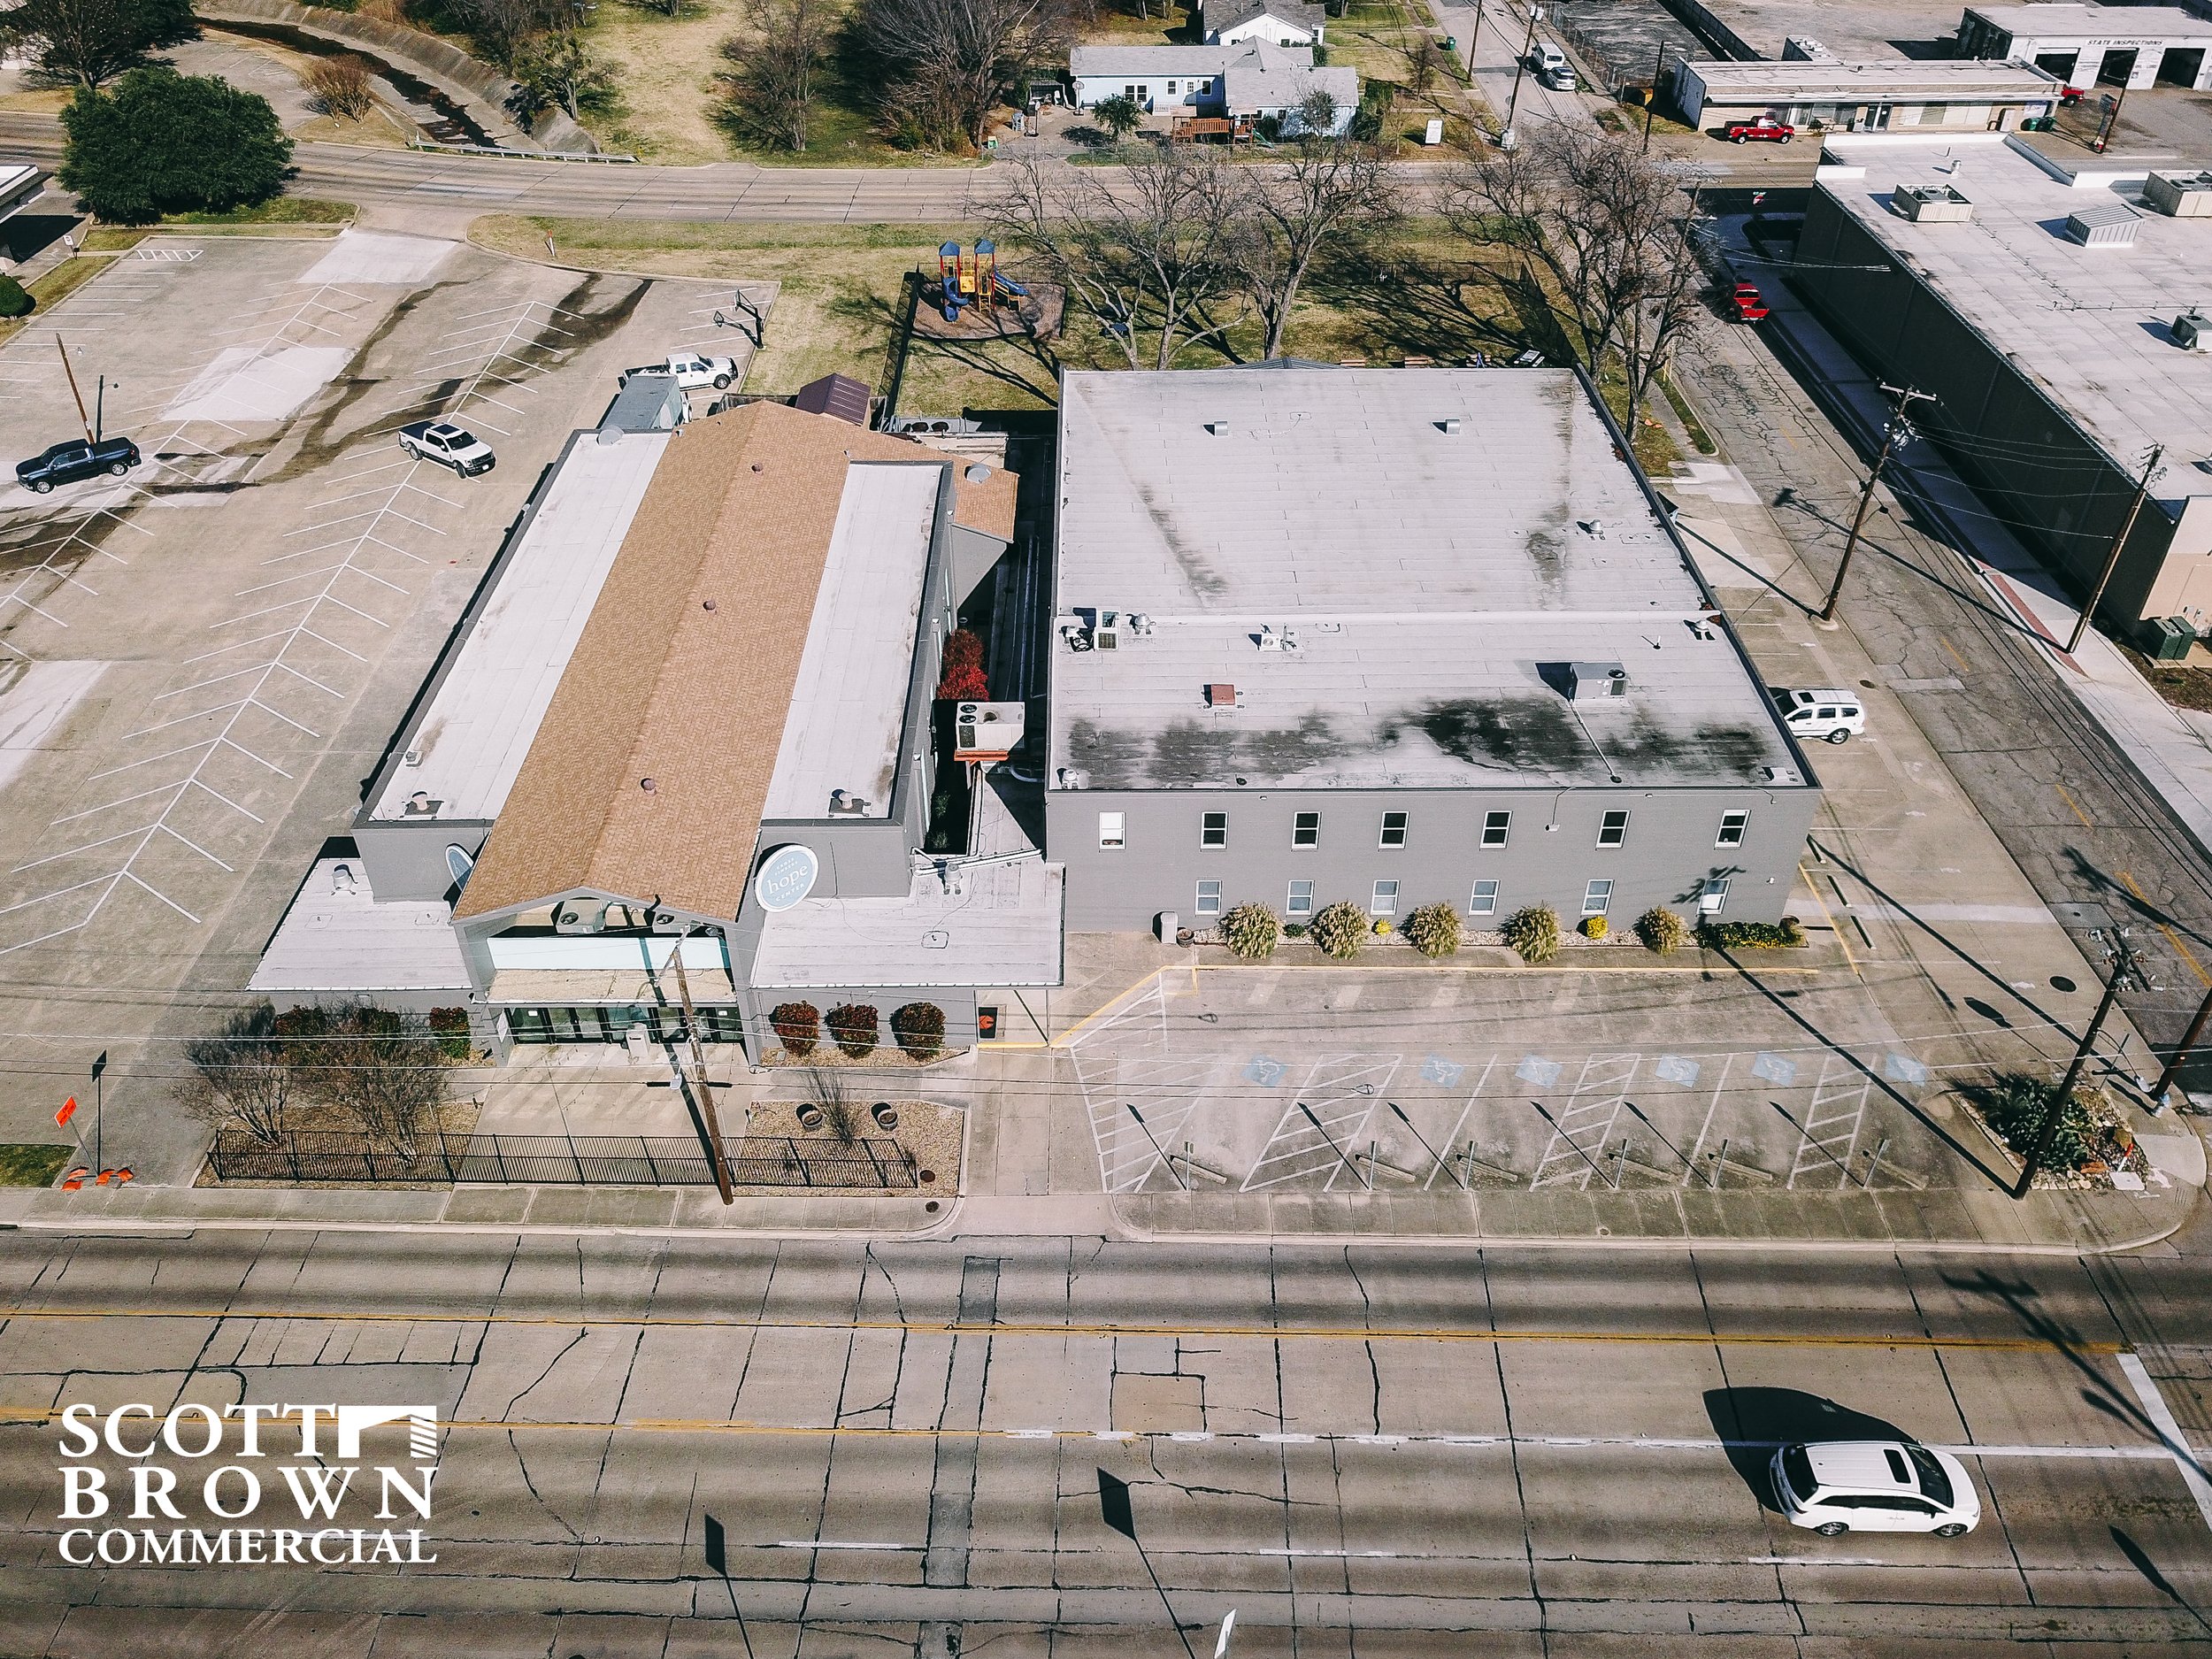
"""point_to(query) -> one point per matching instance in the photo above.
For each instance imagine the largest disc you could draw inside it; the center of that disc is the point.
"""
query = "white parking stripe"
(2177, 1445)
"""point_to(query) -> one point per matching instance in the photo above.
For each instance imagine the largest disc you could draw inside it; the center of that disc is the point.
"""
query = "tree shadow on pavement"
(1753, 1423)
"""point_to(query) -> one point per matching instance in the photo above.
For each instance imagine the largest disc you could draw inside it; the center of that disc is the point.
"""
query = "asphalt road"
(1360, 1450)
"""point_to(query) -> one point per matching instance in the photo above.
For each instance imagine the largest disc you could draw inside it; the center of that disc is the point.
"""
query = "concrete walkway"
(2172, 751)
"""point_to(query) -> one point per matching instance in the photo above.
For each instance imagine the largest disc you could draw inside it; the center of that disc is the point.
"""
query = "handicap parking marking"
(1584, 1124)
(1447, 1146)
(1828, 1132)
(1326, 1120)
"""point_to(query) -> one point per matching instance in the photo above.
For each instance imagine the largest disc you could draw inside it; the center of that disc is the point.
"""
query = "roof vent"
(422, 804)
(844, 803)
(1219, 428)
(1223, 695)
(2108, 226)
(1449, 424)
(977, 474)
(342, 879)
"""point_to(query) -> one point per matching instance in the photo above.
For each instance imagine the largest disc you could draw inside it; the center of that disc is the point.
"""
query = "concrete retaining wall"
(469, 82)
(1715, 33)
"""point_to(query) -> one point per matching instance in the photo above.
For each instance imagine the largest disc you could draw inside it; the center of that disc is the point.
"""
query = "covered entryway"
(2118, 69)
(2181, 66)
(2059, 64)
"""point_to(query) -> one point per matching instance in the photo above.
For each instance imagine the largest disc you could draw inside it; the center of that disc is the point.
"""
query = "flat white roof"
(337, 937)
(1438, 582)
(2086, 324)
(1963, 80)
(465, 749)
(849, 705)
(2117, 24)
(997, 923)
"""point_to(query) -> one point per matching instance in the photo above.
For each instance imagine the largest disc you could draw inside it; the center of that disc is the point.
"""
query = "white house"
(1247, 80)
(1278, 22)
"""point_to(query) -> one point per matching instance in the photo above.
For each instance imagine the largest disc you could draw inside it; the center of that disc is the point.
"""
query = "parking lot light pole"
(1896, 433)
(2124, 973)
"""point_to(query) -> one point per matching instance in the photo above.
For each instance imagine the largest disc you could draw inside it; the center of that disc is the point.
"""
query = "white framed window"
(1394, 830)
(1305, 830)
(1732, 829)
(1209, 902)
(1109, 829)
(1613, 829)
(1213, 829)
(1300, 900)
(1715, 895)
(1597, 898)
(1170, 88)
(1484, 900)
(1496, 827)
(1384, 902)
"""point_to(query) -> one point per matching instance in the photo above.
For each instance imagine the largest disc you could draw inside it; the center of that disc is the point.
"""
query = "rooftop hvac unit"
(580, 916)
(1932, 203)
(1587, 682)
(2189, 330)
(2179, 195)
(2111, 226)
(987, 732)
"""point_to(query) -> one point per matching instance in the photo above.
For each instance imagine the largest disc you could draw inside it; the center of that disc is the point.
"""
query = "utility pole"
(1651, 104)
(1505, 139)
(1474, 39)
(1896, 433)
(699, 1064)
(2123, 971)
(2188, 1047)
(2151, 472)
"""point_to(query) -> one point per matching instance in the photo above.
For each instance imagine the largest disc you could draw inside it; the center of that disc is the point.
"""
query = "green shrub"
(2016, 1107)
(1593, 928)
(797, 1026)
(450, 1027)
(1784, 934)
(15, 299)
(853, 1027)
(919, 1028)
(1341, 929)
(162, 142)
(1433, 930)
(1533, 932)
(1295, 930)
(1251, 931)
(1662, 931)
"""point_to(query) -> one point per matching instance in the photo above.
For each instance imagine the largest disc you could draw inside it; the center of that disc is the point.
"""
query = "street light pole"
(699, 1064)
(1512, 105)
(2151, 471)
(2047, 1132)
(2188, 1047)
(1651, 103)
(1897, 432)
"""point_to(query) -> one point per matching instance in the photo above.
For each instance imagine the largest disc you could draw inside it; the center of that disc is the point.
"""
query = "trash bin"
(2168, 639)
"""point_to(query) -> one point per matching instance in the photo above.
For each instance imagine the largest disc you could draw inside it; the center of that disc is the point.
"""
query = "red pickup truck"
(1766, 129)
(1750, 307)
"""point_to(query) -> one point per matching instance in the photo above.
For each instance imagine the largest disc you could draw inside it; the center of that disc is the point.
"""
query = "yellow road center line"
(2074, 806)
(2172, 938)
(1955, 657)
(925, 1327)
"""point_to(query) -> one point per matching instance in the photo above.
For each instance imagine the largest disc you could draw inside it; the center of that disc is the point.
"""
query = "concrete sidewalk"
(2168, 746)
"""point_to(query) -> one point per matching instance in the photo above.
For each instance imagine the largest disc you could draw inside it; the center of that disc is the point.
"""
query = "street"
(1359, 1449)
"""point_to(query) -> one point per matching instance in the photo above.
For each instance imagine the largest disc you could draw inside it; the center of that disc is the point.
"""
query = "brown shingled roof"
(740, 512)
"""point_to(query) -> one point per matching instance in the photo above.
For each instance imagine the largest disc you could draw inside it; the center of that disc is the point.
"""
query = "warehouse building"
(2122, 45)
(2054, 314)
(682, 745)
(1820, 93)
(1396, 637)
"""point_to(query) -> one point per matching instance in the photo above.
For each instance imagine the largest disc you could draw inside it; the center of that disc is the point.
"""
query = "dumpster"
(2168, 639)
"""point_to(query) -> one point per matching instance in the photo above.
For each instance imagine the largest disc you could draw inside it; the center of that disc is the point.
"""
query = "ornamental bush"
(1433, 930)
(1594, 928)
(1341, 929)
(162, 142)
(797, 1026)
(15, 299)
(2016, 1107)
(1251, 931)
(1533, 932)
(1662, 931)
(919, 1029)
(963, 679)
(853, 1027)
(450, 1027)
(1784, 934)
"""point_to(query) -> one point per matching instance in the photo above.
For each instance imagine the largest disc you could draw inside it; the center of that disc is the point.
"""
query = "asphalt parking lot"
(200, 661)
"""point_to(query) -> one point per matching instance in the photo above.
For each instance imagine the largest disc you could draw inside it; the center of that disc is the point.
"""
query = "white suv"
(1825, 711)
(1835, 1486)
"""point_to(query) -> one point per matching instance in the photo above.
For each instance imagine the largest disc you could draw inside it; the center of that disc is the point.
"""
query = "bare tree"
(384, 1067)
(1334, 192)
(774, 62)
(502, 26)
(1582, 231)
(1150, 256)
(242, 1075)
(940, 65)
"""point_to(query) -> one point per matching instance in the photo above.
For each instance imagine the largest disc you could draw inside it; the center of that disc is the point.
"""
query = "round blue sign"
(784, 877)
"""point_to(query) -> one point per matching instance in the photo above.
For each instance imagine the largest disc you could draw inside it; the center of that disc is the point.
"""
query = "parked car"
(449, 445)
(1833, 1487)
(2072, 95)
(1765, 130)
(1750, 307)
(1559, 77)
(1825, 711)
(692, 370)
(72, 458)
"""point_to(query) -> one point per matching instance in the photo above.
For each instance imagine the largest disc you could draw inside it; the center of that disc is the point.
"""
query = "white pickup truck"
(692, 371)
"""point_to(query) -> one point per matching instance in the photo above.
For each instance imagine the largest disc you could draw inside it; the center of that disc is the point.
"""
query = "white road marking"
(827, 1543)
(2177, 1446)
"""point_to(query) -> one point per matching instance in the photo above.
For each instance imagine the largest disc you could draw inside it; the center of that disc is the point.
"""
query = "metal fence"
(337, 1156)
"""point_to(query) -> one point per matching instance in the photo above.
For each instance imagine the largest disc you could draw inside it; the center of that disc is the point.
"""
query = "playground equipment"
(972, 278)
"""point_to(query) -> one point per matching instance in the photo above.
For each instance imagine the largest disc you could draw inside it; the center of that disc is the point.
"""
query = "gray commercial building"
(1395, 637)
(2121, 45)
(2047, 307)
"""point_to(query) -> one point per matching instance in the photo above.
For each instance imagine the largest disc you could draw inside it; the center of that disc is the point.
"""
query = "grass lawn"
(22, 1165)
(282, 210)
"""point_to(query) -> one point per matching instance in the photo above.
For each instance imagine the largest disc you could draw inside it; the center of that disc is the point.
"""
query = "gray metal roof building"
(1293, 587)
